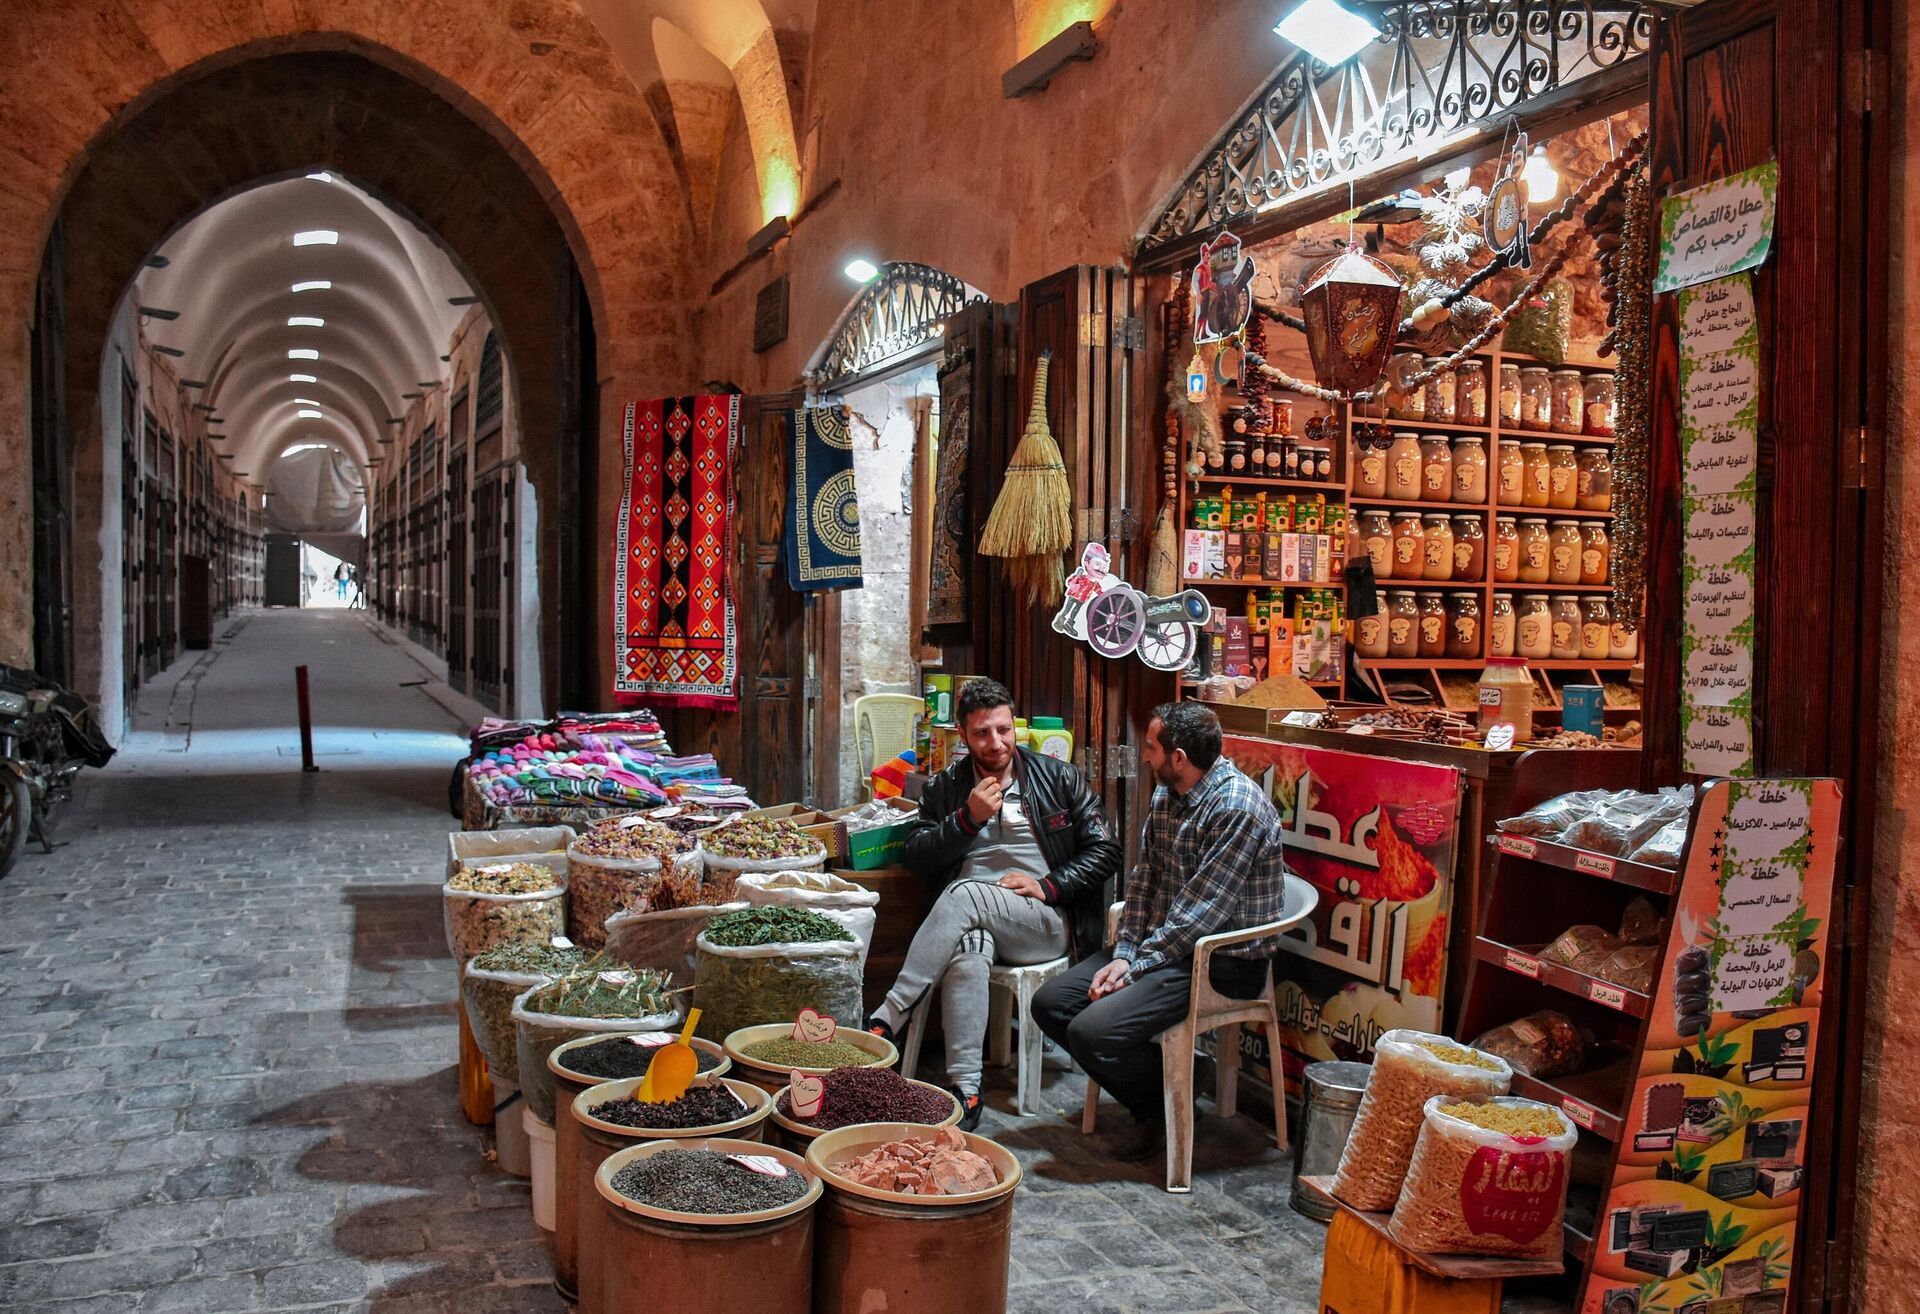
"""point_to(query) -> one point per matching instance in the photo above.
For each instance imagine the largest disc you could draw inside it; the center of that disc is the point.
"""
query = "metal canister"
(1330, 1099)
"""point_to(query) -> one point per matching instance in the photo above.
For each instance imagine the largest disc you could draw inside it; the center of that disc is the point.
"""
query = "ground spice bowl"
(770, 1077)
(799, 1137)
(660, 1259)
(567, 1192)
(594, 1141)
(933, 1254)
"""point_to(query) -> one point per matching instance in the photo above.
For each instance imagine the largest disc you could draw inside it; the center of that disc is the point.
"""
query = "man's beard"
(1165, 774)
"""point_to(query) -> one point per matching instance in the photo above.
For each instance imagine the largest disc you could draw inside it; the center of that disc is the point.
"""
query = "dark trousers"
(1112, 1037)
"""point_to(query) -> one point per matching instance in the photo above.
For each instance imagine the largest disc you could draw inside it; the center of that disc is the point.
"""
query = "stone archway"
(208, 136)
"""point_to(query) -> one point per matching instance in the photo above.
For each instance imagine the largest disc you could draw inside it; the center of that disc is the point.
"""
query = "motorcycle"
(47, 735)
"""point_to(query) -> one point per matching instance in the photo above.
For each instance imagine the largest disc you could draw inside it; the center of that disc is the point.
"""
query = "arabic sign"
(1716, 230)
(1704, 1203)
(1376, 838)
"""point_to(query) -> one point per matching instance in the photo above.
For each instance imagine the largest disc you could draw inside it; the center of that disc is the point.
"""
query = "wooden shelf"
(1332, 487)
(1594, 1100)
(1511, 512)
(1484, 429)
(1578, 1244)
(1520, 586)
(1389, 503)
(1398, 585)
(1259, 582)
(1414, 663)
(1525, 960)
(1600, 866)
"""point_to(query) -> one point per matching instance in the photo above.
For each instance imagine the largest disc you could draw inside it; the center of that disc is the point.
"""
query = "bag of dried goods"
(1488, 1177)
(755, 844)
(1543, 1044)
(602, 996)
(835, 897)
(1632, 966)
(494, 980)
(1629, 820)
(1583, 948)
(497, 903)
(1409, 1067)
(663, 940)
(1549, 820)
(766, 964)
(1666, 845)
(1642, 923)
(616, 867)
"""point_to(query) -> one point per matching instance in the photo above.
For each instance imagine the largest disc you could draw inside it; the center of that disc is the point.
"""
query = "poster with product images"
(1717, 229)
(1704, 1204)
(1375, 837)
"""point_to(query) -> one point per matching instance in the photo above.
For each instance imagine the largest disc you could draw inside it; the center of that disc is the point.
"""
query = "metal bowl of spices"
(703, 1111)
(774, 1067)
(708, 1185)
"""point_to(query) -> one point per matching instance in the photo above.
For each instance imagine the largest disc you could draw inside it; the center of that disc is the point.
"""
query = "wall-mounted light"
(1075, 42)
(861, 270)
(1543, 183)
(1326, 31)
(316, 237)
(776, 228)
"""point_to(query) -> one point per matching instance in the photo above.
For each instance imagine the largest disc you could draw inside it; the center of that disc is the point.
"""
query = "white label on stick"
(764, 1164)
(651, 1039)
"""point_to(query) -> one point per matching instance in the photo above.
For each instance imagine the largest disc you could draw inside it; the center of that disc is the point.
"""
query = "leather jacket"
(1068, 824)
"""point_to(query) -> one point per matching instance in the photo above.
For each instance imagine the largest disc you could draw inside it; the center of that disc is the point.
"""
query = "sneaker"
(876, 1027)
(970, 1109)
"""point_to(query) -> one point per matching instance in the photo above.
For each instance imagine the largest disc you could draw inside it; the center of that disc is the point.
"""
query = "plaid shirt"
(1211, 863)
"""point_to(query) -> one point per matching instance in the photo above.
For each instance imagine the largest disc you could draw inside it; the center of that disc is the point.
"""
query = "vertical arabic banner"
(1377, 839)
(1704, 1204)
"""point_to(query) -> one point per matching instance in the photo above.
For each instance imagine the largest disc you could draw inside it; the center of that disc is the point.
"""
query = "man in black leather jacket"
(1021, 846)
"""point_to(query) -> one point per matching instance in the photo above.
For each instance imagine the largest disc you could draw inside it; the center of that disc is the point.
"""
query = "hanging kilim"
(673, 625)
(947, 577)
(822, 540)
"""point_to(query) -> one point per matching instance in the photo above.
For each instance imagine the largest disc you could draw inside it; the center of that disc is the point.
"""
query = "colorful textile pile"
(822, 541)
(674, 636)
(619, 761)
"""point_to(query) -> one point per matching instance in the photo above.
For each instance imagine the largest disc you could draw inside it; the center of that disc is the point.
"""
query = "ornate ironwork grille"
(1439, 67)
(905, 307)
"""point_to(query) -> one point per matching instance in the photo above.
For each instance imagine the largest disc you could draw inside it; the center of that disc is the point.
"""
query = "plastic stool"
(1019, 985)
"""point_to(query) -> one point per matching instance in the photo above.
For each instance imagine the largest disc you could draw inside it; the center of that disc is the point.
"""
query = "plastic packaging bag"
(745, 985)
(477, 922)
(844, 901)
(489, 999)
(1543, 1044)
(1641, 923)
(1488, 1178)
(1632, 966)
(537, 1035)
(720, 881)
(1666, 845)
(662, 940)
(1409, 1067)
(1583, 948)
(1549, 820)
(601, 887)
(1629, 820)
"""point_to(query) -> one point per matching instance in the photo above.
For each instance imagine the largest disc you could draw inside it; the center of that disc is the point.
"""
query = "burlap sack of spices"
(1488, 1177)
(1409, 1068)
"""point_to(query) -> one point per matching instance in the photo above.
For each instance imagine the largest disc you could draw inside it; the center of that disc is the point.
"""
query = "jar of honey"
(1470, 392)
(1370, 635)
(1597, 409)
(1500, 626)
(1565, 631)
(1463, 625)
(1469, 549)
(1470, 470)
(1536, 485)
(1436, 469)
(1536, 552)
(1433, 625)
(1596, 552)
(1509, 395)
(1533, 628)
(1506, 697)
(1564, 545)
(1403, 625)
(1593, 482)
(1536, 399)
(1376, 531)
(1513, 475)
(1506, 549)
(1437, 551)
(1562, 477)
(1596, 630)
(1403, 468)
(1409, 545)
(1569, 401)
(1369, 465)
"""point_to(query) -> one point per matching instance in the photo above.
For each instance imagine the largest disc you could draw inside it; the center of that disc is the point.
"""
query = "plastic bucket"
(1331, 1094)
(540, 1156)
(593, 1142)
(657, 1259)
(799, 1137)
(881, 1250)
(771, 1077)
(567, 1086)
(511, 1153)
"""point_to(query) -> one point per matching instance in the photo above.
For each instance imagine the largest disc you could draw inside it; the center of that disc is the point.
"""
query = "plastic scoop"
(673, 1068)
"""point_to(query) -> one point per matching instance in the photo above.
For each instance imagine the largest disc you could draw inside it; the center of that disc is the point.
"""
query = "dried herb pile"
(774, 924)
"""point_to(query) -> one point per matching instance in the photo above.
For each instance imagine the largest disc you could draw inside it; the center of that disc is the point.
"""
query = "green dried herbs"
(743, 988)
(761, 839)
(604, 989)
(775, 924)
(786, 1052)
(530, 958)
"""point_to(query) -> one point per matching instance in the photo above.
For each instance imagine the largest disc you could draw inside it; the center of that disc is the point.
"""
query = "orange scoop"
(673, 1068)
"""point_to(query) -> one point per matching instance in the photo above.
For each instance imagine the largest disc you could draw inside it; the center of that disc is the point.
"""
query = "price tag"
(1600, 992)
(805, 1095)
(1305, 720)
(1359, 729)
(1518, 845)
(617, 978)
(764, 1164)
(813, 1028)
(1593, 864)
(1500, 738)
(1584, 1114)
(561, 942)
(651, 1039)
(1524, 964)
(639, 819)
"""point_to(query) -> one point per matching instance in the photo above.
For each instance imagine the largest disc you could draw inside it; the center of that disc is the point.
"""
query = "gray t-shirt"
(1005, 844)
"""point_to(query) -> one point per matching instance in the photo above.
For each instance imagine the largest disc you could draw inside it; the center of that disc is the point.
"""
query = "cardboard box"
(810, 820)
(1583, 707)
(1193, 556)
(882, 845)
(544, 845)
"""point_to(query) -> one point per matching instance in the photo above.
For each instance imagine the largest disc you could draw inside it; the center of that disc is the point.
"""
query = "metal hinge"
(810, 687)
(1836, 1274)
(1866, 79)
(1130, 334)
(1093, 329)
(1122, 764)
(1857, 463)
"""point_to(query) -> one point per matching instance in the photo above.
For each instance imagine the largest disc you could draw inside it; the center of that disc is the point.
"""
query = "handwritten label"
(1593, 864)
(561, 942)
(1766, 818)
(1716, 740)
(651, 1039)
(764, 1164)
(1359, 729)
(1518, 845)
(1600, 992)
(1500, 737)
(805, 1095)
(1718, 670)
(1717, 229)
(1584, 1114)
(1719, 530)
(1524, 964)
(1719, 599)
(1754, 973)
(1757, 897)
(1719, 390)
(1304, 720)
(812, 1028)
(1717, 316)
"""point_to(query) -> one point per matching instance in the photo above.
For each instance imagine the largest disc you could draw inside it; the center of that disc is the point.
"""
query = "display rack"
(1424, 680)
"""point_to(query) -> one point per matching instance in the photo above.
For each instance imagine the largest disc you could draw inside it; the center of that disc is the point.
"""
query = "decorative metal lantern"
(1352, 308)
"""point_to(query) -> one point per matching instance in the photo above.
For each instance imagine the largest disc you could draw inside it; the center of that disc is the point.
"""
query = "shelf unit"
(1425, 673)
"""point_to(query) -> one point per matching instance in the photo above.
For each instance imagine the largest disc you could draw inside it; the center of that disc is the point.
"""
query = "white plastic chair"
(1011, 988)
(882, 730)
(1209, 1010)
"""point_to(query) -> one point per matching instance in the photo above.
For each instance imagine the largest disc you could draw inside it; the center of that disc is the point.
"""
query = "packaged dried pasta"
(1489, 1177)
(1409, 1068)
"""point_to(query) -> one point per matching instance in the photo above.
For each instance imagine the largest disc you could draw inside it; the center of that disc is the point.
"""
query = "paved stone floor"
(227, 1041)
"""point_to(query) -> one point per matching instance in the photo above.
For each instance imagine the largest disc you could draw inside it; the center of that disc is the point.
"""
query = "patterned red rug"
(673, 622)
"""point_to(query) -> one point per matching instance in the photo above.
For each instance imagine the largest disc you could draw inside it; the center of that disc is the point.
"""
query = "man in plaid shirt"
(1211, 862)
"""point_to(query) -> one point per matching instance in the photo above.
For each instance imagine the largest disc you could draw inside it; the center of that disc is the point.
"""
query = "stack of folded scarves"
(619, 759)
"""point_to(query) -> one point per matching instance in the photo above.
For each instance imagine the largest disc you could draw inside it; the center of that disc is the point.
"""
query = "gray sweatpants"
(973, 925)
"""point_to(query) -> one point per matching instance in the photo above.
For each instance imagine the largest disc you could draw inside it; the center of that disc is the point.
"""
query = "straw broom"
(1032, 519)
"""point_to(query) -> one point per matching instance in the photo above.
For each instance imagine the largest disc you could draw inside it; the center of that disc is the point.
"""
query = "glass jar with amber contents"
(1403, 468)
(1506, 549)
(1596, 392)
(1513, 474)
(1405, 399)
(1562, 477)
(1436, 469)
(1369, 464)
(1436, 560)
(1565, 628)
(1509, 395)
(1470, 470)
(1500, 626)
(1563, 552)
(1470, 392)
(1536, 399)
(1463, 625)
(1596, 552)
(1433, 625)
(1536, 552)
(1469, 549)
(1370, 635)
(1596, 630)
(1569, 401)
(1533, 627)
(1376, 531)
(1403, 625)
(1440, 396)
(1593, 483)
(1409, 545)
(1536, 485)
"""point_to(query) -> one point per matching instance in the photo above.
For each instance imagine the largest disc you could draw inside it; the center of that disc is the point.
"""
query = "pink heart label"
(812, 1028)
(806, 1095)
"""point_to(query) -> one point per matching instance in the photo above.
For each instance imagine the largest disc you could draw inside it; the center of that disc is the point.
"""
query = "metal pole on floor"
(306, 720)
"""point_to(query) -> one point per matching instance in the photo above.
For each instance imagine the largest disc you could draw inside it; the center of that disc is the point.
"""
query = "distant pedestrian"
(359, 589)
(341, 574)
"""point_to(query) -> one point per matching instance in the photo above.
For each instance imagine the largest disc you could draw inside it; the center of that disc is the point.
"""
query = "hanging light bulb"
(1543, 184)
(1324, 30)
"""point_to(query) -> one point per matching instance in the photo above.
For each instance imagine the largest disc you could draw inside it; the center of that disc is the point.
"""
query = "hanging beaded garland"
(1628, 279)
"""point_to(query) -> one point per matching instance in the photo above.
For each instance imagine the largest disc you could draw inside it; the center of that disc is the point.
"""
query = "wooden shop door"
(1733, 84)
